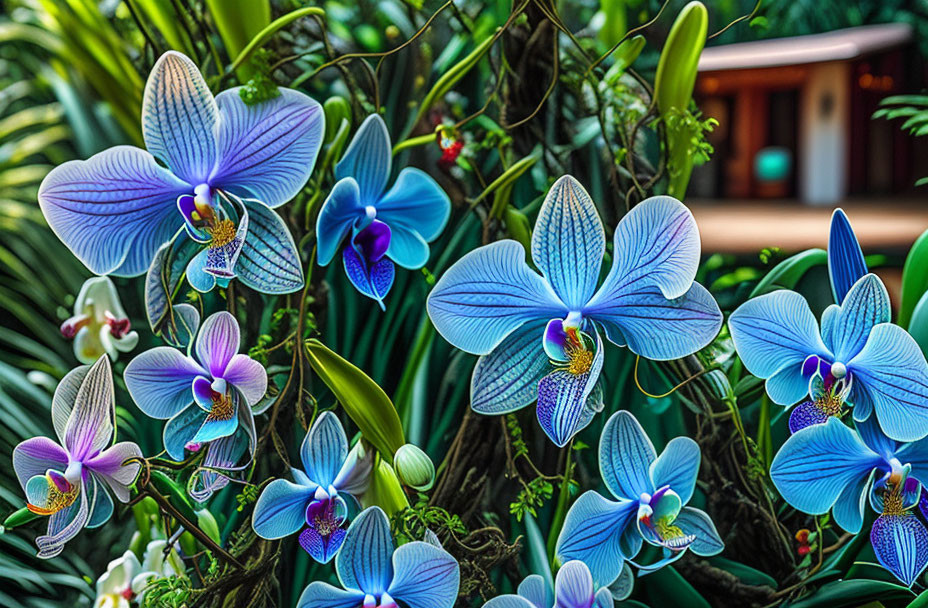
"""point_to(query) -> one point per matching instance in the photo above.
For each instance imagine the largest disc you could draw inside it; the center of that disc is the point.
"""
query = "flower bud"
(336, 109)
(414, 467)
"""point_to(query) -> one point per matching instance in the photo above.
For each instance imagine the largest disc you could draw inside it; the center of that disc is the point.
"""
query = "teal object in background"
(773, 164)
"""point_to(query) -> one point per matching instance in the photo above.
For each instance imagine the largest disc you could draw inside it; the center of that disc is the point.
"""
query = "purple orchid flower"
(67, 481)
(829, 466)
(228, 166)
(206, 399)
(573, 588)
(376, 574)
(331, 473)
(386, 225)
(538, 337)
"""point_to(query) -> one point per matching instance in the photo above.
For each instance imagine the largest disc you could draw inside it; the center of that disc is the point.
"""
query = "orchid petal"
(322, 548)
(893, 375)
(90, 426)
(65, 395)
(866, 305)
(110, 465)
(196, 273)
(354, 475)
(341, 209)
(180, 118)
(845, 259)
(417, 210)
(222, 453)
(677, 467)
(218, 342)
(269, 261)
(216, 428)
(568, 242)
(657, 328)
(373, 281)
(619, 590)
(102, 507)
(901, 545)
(592, 533)
(281, 509)
(363, 563)
(876, 440)
(368, 159)
(324, 449)
(534, 588)
(181, 429)
(806, 414)
(324, 595)
(64, 525)
(625, 457)
(267, 150)
(113, 210)
(507, 379)
(510, 601)
(816, 464)
(774, 332)
(36, 455)
(787, 385)
(248, 376)
(699, 524)
(562, 399)
(159, 381)
(573, 587)
(487, 294)
(848, 511)
(425, 576)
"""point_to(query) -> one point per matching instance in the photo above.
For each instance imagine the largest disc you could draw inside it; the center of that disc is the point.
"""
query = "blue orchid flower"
(652, 493)
(845, 259)
(573, 588)
(385, 225)
(375, 575)
(831, 467)
(331, 473)
(876, 365)
(539, 336)
(228, 166)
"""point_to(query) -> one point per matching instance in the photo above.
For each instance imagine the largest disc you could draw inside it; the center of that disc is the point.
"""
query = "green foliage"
(531, 497)
(411, 523)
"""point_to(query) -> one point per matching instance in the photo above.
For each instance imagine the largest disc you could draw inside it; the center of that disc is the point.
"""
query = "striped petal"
(901, 545)
(113, 469)
(36, 455)
(625, 457)
(90, 426)
(267, 150)
(159, 381)
(425, 576)
(363, 563)
(507, 379)
(417, 210)
(324, 595)
(562, 398)
(281, 509)
(845, 259)
(368, 159)
(269, 261)
(218, 342)
(573, 587)
(697, 523)
(677, 467)
(847, 328)
(324, 449)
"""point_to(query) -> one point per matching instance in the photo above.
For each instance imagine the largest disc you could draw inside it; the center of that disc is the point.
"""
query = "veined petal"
(223, 453)
(849, 508)
(876, 440)
(159, 381)
(363, 563)
(324, 449)
(322, 548)
(248, 376)
(354, 475)
(425, 576)
(534, 588)
(181, 429)
(487, 294)
(866, 305)
(845, 259)
(787, 385)
(368, 159)
(102, 507)
(655, 245)
(816, 464)
(267, 150)
(568, 242)
(36, 455)
(677, 467)
(90, 426)
(573, 587)
(805, 414)
(562, 399)
(892, 372)
(774, 331)
(281, 509)
(269, 261)
(901, 545)
(625, 457)
(216, 428)
(110, 465)
(341, 209)
(510, 601)
(373, 280)
(657, 328)
(699, 524)
(65, 524)
(324, 595)
(619, 590)
(180, 118)
(507, 379)
(417, 210)
(592, 532)
(915, 454)
(113, 210)
(65, 394)
(218, 342)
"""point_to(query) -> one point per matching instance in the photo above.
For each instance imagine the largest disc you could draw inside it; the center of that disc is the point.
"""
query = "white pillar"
(824, 105)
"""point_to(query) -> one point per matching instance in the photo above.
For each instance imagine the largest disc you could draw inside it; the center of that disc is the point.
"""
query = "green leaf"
(837, 594)
(19, 518)
(918, 325)
(788, 272)
(174, 494)
(364, 401)
(537, 552)
(914, 279)
(747, 574)
(265, 34)
(667, 588)
(384, 490)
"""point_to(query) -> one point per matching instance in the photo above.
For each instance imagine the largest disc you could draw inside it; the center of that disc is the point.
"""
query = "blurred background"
(818, 104)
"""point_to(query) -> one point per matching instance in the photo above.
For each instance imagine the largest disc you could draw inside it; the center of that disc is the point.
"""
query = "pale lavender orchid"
(206, 399)
(377, 574)
(68, 481)
(539, 336)
(573, 588)
(228, 166)
(331, 474)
